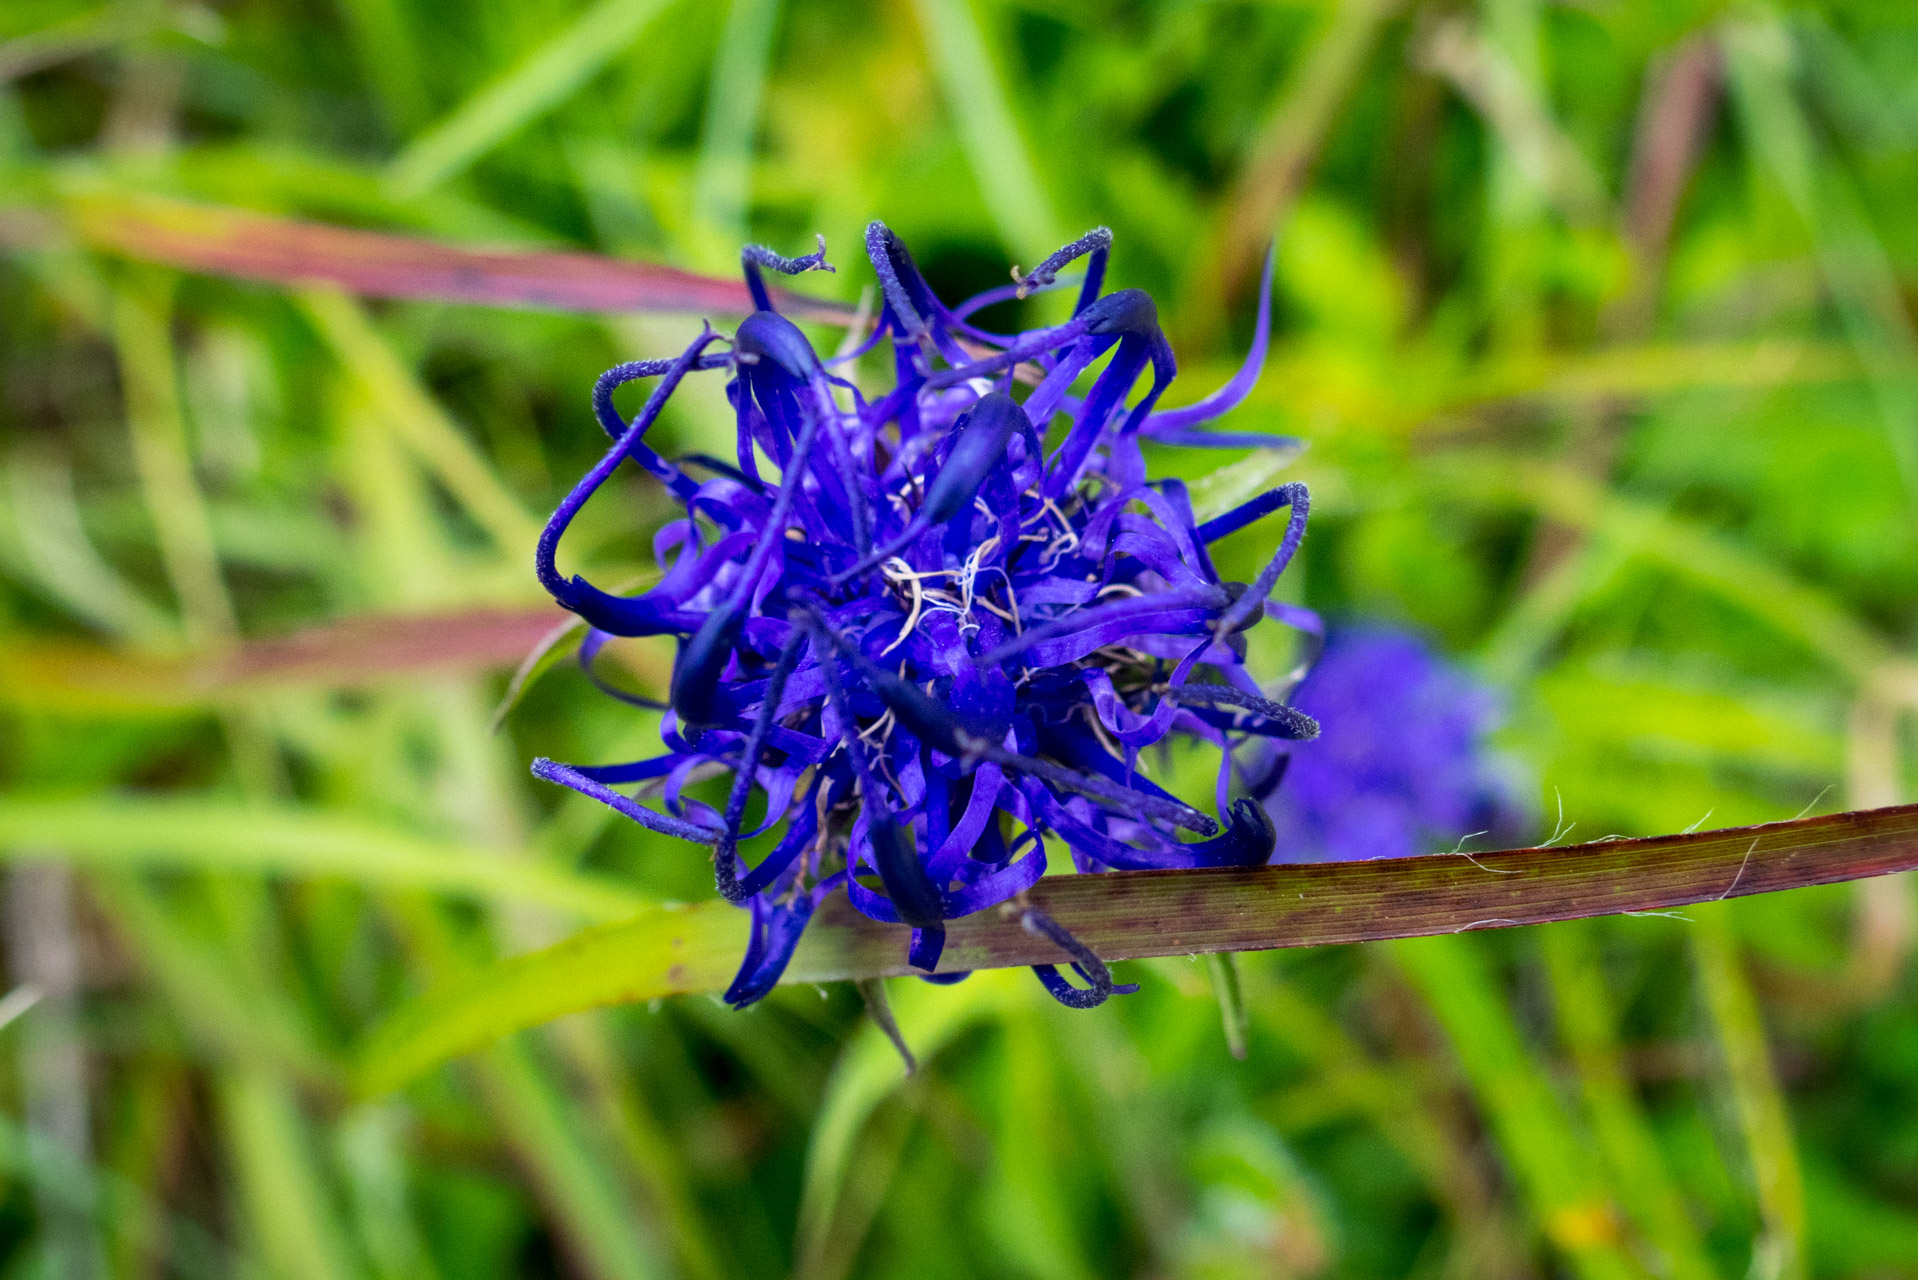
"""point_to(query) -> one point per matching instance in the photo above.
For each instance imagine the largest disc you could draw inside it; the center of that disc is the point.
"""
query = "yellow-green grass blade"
(542, 80)
(214, 835)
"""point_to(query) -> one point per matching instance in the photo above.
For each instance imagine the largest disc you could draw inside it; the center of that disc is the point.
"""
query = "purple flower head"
(1402, 768)
(923, 640)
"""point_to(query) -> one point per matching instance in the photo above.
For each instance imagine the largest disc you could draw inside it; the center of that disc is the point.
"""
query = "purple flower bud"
(1402, 767)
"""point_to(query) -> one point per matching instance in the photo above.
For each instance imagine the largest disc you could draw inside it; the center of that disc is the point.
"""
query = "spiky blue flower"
(1403, 766)
(927, 641)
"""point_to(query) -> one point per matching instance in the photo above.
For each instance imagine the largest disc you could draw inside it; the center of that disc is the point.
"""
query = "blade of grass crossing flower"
(664, 951)
(270, 1145)
(1731, 1007)
(230, 837)
(982, 116)
(545, 78)
(869, 1071)
(418, 420)
(1587, 1023)
(722, 180)
(579, 1190)
(1567, 1196)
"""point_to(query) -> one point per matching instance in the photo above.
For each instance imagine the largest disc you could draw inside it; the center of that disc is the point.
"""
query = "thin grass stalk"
(1587, 1024)
(1764, 1120)
(1566, 1195)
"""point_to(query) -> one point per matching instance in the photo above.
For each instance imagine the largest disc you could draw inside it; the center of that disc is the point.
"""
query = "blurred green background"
(1595, 317)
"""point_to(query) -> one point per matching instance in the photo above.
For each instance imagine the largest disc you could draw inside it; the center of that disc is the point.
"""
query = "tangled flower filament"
(929, 642)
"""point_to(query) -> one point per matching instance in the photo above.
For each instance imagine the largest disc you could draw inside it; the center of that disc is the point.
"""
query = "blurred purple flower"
(1402, 767)
(928, 642)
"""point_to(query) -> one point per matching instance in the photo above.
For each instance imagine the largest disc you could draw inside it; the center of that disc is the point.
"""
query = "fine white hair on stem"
(1813, 803)
(1561, 829)
(1741, 870)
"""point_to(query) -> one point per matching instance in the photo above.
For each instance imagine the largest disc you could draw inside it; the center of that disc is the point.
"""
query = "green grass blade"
(982, 116)
(1793, 607)
(1222, 967)
(142, 335)
(370, 1145)
(722, 181)
(868, 1072)
(1279, 164)
(1761, 59)
(1029, 1198)
(284, 1195)
(659, 1163)
(389, 57)
(579, 1190)
(77, 37)
(1394, 1101)
(663, 951)
(1224, 488)
(59, 559)
(544, 79)
(189, 1249)
(226, 1007)
(419, 421)
(211, 835)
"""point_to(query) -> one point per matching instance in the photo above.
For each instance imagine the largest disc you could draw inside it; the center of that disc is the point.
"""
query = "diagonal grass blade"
(255, 246)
